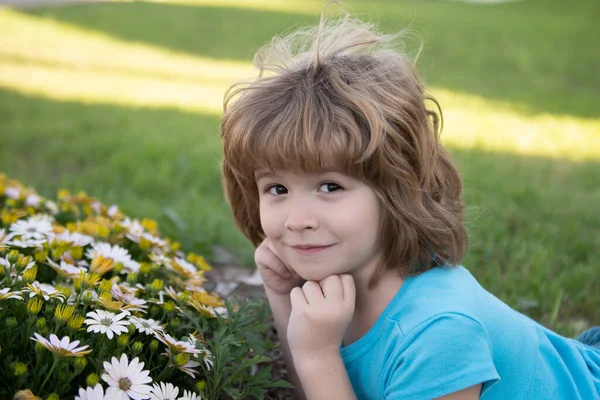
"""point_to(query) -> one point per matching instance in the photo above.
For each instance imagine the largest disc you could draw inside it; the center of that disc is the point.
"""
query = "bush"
(95, 304)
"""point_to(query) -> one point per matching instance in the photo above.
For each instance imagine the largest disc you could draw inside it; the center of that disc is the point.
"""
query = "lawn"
(123, 100)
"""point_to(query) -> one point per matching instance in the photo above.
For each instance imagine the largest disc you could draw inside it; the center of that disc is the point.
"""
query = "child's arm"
(281, 307)
(279, 281)
(320, 315)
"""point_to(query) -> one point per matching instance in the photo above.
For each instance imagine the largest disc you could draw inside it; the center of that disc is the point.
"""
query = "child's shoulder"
(449, 295)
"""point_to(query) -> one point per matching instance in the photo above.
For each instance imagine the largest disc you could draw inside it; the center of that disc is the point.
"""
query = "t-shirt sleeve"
(443, 355)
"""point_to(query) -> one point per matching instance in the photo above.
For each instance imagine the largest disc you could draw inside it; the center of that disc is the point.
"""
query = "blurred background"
(123, 100)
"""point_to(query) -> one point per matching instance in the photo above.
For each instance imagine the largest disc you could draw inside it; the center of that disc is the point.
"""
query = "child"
(334, 170)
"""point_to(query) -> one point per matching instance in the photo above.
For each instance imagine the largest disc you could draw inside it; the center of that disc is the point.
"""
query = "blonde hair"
(340, 96)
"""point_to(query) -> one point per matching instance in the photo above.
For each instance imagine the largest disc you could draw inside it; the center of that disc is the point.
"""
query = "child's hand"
(277, 276)
(320, 315)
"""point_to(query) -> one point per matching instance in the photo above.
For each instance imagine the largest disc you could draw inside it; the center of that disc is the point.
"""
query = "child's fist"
(277, 276)
(321, 312)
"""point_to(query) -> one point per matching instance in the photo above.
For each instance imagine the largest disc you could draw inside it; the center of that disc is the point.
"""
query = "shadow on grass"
(532, 220)
(535, 60)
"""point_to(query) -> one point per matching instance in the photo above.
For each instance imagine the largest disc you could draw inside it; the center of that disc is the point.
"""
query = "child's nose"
(301, 217)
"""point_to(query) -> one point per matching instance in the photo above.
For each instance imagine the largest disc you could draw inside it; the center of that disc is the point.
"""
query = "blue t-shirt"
(443, 333)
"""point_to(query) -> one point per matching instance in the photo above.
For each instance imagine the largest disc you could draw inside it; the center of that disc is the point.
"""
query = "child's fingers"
(312, 292)
(297, 298)
(266, 259)
(349, 289)
(332, 287)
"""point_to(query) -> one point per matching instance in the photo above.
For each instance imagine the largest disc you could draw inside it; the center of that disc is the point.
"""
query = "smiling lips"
(309, 249)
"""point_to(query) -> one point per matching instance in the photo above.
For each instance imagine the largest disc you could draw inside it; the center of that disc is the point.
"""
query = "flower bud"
(118, 268)
(201, 385)
(40, 323)
(66, 291)
(2, 271)
(11, 323)
(48, 309)
(184, 297)
(137, 348)
(13, 256)
(122, 340)
(53, 396)
(155, 311)
(92, 380)
(40, 256)
(80, 363)
(76, 322)
(39, 348)
(30, 274)
(63, 312)
(181, 359)
(153, 345)
(145, 268)
(145, 244)
(34, 306)
(175, 323)
(105, 286)
(20, 369)
(57, 252)
(169, 306)
(87, 298)
(22, 263)
(77, 252)
(132, 278)
(131, 329)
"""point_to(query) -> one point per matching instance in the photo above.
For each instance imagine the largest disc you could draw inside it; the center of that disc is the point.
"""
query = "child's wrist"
(309, 363)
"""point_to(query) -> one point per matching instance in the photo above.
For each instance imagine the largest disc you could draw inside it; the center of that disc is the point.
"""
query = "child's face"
(327, 209)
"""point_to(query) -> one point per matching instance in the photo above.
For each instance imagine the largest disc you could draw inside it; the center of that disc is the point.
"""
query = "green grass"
(123, 100)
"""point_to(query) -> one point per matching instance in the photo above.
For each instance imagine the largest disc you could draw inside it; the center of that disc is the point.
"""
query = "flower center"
(124, 384)
(106, 321)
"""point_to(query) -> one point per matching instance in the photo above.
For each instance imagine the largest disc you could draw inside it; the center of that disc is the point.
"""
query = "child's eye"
(331, 187)
(276, 190)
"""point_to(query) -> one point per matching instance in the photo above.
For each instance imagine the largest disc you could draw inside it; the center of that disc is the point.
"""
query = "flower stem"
(49, 373)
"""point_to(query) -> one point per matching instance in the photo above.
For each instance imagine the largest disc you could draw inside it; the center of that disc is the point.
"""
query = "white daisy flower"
(189, 395)
(74, 238)
(166, 391)
(12, 192)
(128, 298)
(62, 347)
(115, 253)
(6, 294)
(89, 393)
(206, 354)
(188, 368)
(133, 227)
(184, 266)
(4, 237)
(97, 207)
(65, 269)
(33, 200)
(106, 322)
(27, 243)
(38, 227)
(43, 290)
(112, 211)
(147, 326)
(51, 206)
(179, 346)
(126, 380)
(160, 258)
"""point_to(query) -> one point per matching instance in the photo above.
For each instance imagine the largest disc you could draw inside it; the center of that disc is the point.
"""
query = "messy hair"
(341, 96)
